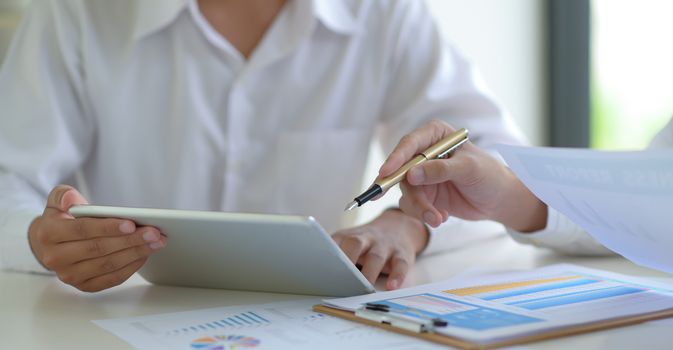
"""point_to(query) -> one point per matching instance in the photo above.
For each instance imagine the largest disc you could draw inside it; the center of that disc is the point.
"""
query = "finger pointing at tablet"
(87, 253)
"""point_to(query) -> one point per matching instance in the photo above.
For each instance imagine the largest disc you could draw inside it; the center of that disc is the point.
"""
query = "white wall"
(506, 39)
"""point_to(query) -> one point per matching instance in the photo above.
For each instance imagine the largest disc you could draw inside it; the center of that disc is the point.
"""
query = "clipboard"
(469, 345)
(510, 309)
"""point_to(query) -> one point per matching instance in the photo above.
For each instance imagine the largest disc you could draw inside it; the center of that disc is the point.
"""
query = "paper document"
(512, 305)
(623, 199)
(285, 325)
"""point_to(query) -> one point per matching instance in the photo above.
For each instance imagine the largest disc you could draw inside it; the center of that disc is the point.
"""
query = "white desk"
(39, 312)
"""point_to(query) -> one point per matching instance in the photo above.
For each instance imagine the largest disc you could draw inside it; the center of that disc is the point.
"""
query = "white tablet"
(256, 252)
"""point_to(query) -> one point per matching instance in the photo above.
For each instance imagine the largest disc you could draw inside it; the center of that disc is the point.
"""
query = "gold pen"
(441, 149)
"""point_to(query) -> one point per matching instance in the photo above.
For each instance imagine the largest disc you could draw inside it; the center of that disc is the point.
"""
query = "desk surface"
(39, 312)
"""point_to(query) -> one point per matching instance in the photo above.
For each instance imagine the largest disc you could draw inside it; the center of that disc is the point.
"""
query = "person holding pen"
(474, 185)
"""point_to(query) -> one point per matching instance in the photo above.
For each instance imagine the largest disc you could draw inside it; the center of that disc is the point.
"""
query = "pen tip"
(351, 205)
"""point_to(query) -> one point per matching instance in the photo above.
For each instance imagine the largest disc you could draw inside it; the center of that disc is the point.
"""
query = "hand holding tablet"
(274, 253)
(89, 254)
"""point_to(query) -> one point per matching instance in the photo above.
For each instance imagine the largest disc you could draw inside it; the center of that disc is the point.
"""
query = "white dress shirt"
(143, 103)
(564, 236)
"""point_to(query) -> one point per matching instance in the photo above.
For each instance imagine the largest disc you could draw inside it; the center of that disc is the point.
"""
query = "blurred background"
(594, 73)
(10, 15)
(580, 73)
(631, 71)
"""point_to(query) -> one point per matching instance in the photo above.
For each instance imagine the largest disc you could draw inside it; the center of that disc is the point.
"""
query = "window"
(631, 71)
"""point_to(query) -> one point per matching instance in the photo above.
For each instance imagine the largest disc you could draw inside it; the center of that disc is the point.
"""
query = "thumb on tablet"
(62, 197)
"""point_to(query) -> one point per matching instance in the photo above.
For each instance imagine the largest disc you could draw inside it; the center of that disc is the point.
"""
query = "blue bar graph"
(243, 320)
(476, 318)
(577, 297)
(246, 319)
(541, 288)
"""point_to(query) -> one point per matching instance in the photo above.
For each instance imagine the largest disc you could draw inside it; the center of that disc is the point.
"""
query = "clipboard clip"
(382, 313)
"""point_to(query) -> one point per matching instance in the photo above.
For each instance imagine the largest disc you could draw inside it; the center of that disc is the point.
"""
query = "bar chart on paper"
(558, 295)
(552, 297)
(244, 319)
(269, 326)
(558, 298)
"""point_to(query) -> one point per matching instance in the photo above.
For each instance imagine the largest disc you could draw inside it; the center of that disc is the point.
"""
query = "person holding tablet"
(263, 106)
(474, 185)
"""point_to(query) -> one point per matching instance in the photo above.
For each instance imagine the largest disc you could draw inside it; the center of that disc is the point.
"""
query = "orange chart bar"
(505, 286)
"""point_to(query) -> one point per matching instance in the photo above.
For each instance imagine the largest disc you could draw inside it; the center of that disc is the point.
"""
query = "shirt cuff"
(562, 235)
(15, 251)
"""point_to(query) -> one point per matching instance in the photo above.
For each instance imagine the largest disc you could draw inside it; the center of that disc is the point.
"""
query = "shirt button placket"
(239, 115)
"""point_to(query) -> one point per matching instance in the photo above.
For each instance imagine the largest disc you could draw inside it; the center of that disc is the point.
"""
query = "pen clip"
(381, 313)
(448, 152)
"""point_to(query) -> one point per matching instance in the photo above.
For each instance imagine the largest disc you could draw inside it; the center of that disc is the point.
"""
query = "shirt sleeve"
(562, 235)
(43, 132)
(15, 250)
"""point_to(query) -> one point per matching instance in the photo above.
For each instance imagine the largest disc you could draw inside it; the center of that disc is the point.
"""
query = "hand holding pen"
(470, 184)
(439, 150)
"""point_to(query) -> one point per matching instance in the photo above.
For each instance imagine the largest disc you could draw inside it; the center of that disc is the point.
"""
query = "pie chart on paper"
(225, 342)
